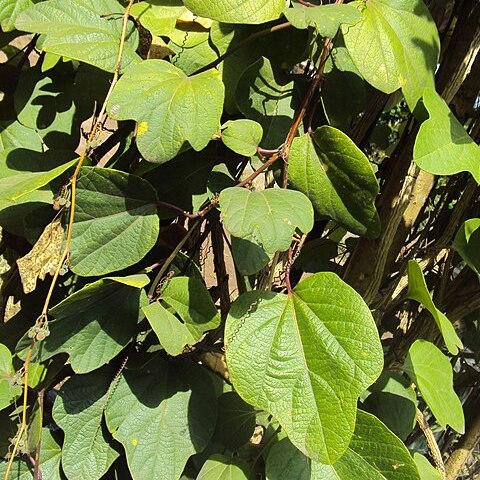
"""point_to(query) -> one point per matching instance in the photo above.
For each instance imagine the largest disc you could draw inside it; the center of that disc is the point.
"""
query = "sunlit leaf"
(467, 243)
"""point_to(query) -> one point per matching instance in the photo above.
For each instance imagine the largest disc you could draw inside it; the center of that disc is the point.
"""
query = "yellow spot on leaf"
(134, 442)
(142, 128)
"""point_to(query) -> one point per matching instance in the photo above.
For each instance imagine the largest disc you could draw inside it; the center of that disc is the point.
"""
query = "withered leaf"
(43, 258)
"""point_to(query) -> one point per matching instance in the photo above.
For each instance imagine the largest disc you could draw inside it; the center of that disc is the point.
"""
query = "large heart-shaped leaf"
(432, 373)
(338, 179)
(467, 243)
(442, 146)
(116, 212)
(237, 11)
(196, 312)
(78, 29)
(325, 18)
(78, 411)
(305, 358)
(263, 222)
(395, 45)
(374, 453)
(170, 107)
(94, 324)
(417, 290)
(174, 414)
(265, 95)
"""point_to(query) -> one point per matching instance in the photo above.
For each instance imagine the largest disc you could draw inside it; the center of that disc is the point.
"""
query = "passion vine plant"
(238, 239)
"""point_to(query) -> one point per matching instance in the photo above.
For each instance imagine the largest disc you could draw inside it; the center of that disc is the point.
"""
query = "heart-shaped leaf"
(80, 30)
(432, 373)
(170, 107)
(237, 11)
(395, 45)
(116, 212)
(338, 179)
(158, 16)
(325, 18)
(442, 146)
(242, 136)
(78, 411)
(467, 243)
(190, 299)
(305, 358)
(221, 467)
(95, 323)
(175, 410)
(417, 290)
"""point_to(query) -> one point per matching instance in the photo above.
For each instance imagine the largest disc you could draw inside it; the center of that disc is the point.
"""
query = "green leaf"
(9, 391)
(338, 179)
(95, 323)
(235, 421)
(196, 312)
(374, 453)
(394, 403)
(325, 18)
(10, 10)
(221, 467)
(264, 94)
(442, 146)
(14, 189)
(467, 243)
(15, 135)
(158, 16)
(395, 45)
(170, 107)
(242, 136)
(78, 410)
(77, 29)
(417, 290)
(432, 373)
(426, 470)
(116, 212)
(237, 11)
(267, 219)
(50, 456)
(175, 410)
(305, 358)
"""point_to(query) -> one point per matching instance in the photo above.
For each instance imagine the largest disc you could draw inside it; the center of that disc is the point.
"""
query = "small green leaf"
(50, 457)
(235, 421)
(78, 410)
(116, 212)
(15, 188)
(237, 11)
(190, 299)
(305, 358)
(264, 94)
(9, 391)
(467, 243)
(338, 179)
(242, 136)
(325, 18)
(170, 107)
(158, 16)
(95, 323)
(267, 219)
(417, 290)
(442, 146)
(374, 453)
(174, 409)
(79, 30)
(426, 470)
(221, 467)
(432, 373)
(395, 45)
(394, 403)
